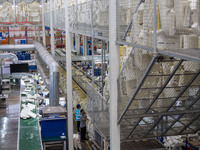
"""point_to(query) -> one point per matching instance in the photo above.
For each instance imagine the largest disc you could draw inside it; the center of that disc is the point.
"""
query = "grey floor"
(85, 146)
(9, 121)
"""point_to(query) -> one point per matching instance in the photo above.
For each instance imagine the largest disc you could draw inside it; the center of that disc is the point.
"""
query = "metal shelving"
(163, 102)
(15, 19)
(157, 75)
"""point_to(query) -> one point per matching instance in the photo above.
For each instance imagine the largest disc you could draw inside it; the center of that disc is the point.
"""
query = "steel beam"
(155, 50)
(180, 94)
(43, 26)
(69, 77)
(164, 86)
(126, 62)
(114, 73)
(138, 88)
(195, 118)
(131, 21)
(161, 114)
(52, 29)
(147, 48)
(193, 56)
(196, 99)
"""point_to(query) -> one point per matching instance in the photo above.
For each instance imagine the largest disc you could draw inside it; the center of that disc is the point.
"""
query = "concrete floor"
(9, 121)
(85, 145)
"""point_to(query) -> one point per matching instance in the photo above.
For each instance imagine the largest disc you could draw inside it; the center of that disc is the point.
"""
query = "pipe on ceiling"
(26, 47)
(53, 73)
(9, 56)
(50, 62)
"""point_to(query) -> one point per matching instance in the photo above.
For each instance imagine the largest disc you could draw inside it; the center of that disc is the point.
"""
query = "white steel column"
(85, 45)
(69, 78)
(155, 51)
(39, 33)
(114, 72)
(92, 25)
(77, 39)
(15, 12)
(43, 26)
(35, 33)
(52, 29)
(72, 41)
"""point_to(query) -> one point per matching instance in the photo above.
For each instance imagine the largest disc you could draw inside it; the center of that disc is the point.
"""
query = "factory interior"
(100, 74)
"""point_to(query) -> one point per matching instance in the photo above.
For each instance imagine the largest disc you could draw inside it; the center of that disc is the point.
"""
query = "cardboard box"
(29, 41)
(99, 45)
(47, 41)
(40, 28)
(58, 33)
(29, 28)
(4, 41)
(64, 42)
(58, 42)
(5, 28)
(41, 41)
(23, 28)
(11, 41)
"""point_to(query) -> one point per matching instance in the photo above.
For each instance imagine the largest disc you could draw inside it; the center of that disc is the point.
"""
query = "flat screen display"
(15, 68)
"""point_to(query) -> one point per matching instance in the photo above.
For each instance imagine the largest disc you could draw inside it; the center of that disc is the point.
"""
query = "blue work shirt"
(78, 114)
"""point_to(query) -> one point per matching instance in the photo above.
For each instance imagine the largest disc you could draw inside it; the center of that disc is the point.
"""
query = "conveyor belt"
(29, 137)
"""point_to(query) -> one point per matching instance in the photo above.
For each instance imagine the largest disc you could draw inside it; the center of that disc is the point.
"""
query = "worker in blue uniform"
(78, 116)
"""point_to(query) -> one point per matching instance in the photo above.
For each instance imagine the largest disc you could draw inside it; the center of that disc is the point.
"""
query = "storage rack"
(25, 29)
(165, 119)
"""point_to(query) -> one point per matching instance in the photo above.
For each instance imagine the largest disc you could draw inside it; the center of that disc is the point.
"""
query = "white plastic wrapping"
(180, 7)
(7, 12)
(77, 142)
(26, 111)
(22, 11)
(189, 41)
(165, 41)
(47, 7)
(174, 142)
(34, 12)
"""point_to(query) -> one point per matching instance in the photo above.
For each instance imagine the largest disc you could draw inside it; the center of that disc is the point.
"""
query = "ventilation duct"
(49, 61)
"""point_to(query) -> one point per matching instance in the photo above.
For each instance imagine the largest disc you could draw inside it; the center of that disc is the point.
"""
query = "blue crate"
(53, 127)
(27, 56)
(81, 50)
(89, 52)
(23, 55)
(47, 28)
(0, 34)
(97, 71)
(32, 67)
(22, 41)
